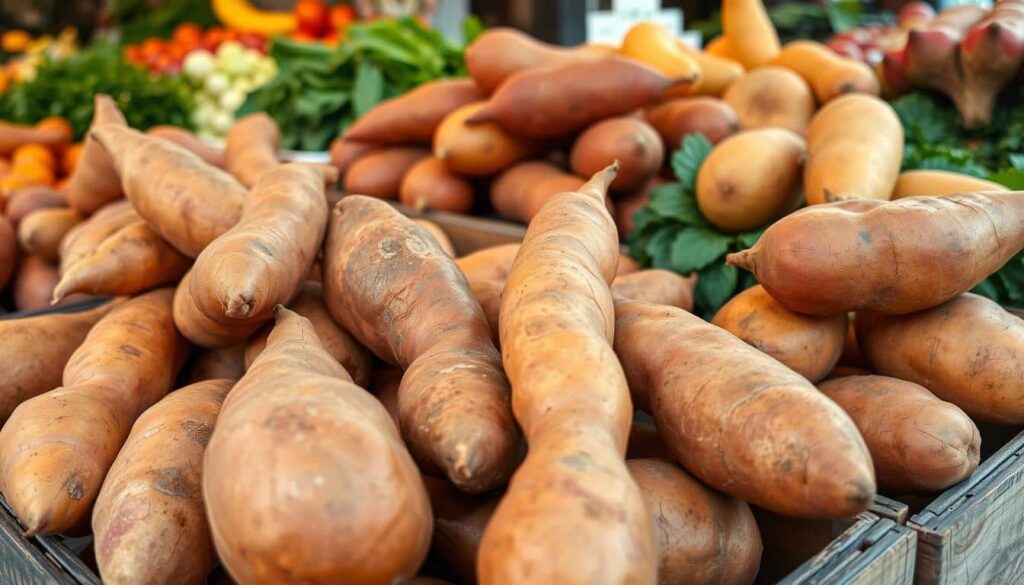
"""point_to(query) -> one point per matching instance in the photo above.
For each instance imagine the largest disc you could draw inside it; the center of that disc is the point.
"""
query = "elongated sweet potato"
(133, 259)
(34, 283)
(964, 351)
(926, 182)
(251, 148)
(477, 149)
(149, 523)
(809, 345)
(415, 116)
(188, 202)
(519, 192)
(657, 286)
(894, 257)
(430, 184)
(214, 364)
(459, 523)
(652, 43)
(8, 251)
(385, 387)
(381, 272)
(334, 440)
(750, 34)
(716, 73)
(379, 173)
(263, 260)
(36, 350)
(572, 513)
(740, 421)
(14, 135)
(211, 155)
(83, 239)
(25, 201)
(94, 182)
(771, 97)
(335, 340)
(828, 74)
(500, 53)
(632, 142)
(917, 442)
(203, 330)
(674, 119)
(41, 232)
(56, 448)
(494, 263)
(345, 152)
(439, 235)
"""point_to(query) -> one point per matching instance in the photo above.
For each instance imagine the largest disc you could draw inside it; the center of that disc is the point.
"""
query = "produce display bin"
(40, 559)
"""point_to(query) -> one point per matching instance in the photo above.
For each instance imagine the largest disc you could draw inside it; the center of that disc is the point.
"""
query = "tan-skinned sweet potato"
(917, 442)
(200, 328)
(380, 268)
(749, 32)
(964, 351)
(8, 251)
(251, 148)
(828, 74)
(379, 172)
(41, 231)
(14, 135)
(830, 259)
(84, 238)
(430, 184)
(918, 183)
(36, 350)
(34, 283)
(211, 155)
(439, 234)
(572, 513)
(413, 117)
(25, 201)
(771, 97)
(676, 118)
(336, 441)
(740, 421)
(56, 448)
(477, 149)
(345, 152)
(494, 263)
(500, 53)
(149, 523)
(488, 294)
(94, 181)
(519, 192)
(633, 143)
(213, 364)
(188, 202)
(657, 286)
(335, 340)
(807, 344)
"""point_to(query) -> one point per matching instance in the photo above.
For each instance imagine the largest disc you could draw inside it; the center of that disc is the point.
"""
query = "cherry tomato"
(312, 16)
(151, 47)
(253, 41)
(342, 16)
(302, 37)
(213, 38)
(188, 34)
(331, 39)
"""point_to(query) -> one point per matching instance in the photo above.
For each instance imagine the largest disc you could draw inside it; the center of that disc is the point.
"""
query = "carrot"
(415, 116)
(854, 150)
(573, 406)
(8, 251)
(34, 283)
(94, 182)
(132, 260)
(14, 135)
(149, 523)
(675, 118)
(808, 345)
(830, 259)
(251, 148)
(379, 173)
(477, 149)
(917, 442)
(927, 182)
(662, 287)
(379, 268)
(213, 364)
(336, 441)
(84, 238)
(25, 201)
(771, 97)
(439, 235)
(499, 53)
(41, 232)
(56, 448)
(186, 201)
(740, 421)
(203, 330)
(963, 351)
(653, 44)
(828, 74)
(335, 340)
(429, 184)
(633, 143)
(36, 349)
(750, 34)
(556, 101)
(211, 155)
(345, 152)
(520, 192)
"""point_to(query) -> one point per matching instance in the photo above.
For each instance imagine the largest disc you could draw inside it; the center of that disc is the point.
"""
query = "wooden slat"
(874, 551)
(890, 509)
(22, 561)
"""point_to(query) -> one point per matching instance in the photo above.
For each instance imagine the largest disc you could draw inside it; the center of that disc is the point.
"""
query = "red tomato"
(312, 16)
(132, 54)
(253, 41)
(188, 34)
(213, 38)
(151, 47)
(302, 37)
(342, 16)
(331, 39)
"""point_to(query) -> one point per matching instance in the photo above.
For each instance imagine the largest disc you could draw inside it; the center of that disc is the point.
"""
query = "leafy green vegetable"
(138, 20)
(807, 20)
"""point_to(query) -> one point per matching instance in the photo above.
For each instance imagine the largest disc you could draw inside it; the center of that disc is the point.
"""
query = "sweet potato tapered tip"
(597, 186)
(742, 259)
(484, 115)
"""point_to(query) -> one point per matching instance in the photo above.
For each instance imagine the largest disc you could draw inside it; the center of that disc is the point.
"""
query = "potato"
(430, 184)
(632, 142)
(771, 97)
(674, 119)
(478, 149)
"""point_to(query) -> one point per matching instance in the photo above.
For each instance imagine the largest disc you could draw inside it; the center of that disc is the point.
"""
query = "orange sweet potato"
(439, 234)
(771, 97)
(657, 286)
(830, 259)
(500, 53)
(380, 269)
(34, 283)
(415, 116)
(41, 232)
(188, 202)
(749, 33)
(14, 135)
(56, 448)
(379, 173)
(633, 143)
(94, 181)
(494, 263)
(251, 148)
(83, 239)
(25, 201)
(8, 251)
(149, 523)
(520, 191)
(477, 149)
(917, 442)
(430, 184)
(927, 182)
(345, 152)
(676, 118)
(828, 74)
(333, 439)
(740, 421)
(652, 43)
(211, 155)
(572, 513)
(214, 364)
(203, 330)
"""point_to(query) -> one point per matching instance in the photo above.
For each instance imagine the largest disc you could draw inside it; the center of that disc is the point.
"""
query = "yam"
(519, 192)
(632, 142)
(478, 149)
(413, 117)
(771, 97)
(211, 155)
(379, 173)
(84, 238)
(25, 201)
(499, 53)
(41, 232)
(750, 34)
(430, 184)
(8, 251)
(34, 284)
(95, 181)
(439, 235)
(830, 75)
(708, 116)
(927, 182)
(214, 364)
(251, 148)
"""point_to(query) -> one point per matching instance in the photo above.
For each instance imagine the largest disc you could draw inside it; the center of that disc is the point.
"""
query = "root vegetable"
(719, 47)
(380, 271)
(477, 149)
(924, 182)
(439, 235)
(717, 73)
(336, 441)
(917, 442)
(214, 364)
(632, 142)
(750, 34)
(41, 232)
(211, 155)
(430, 184)
(25, 201)
(651, 43)
(771, 97)
(828, 74)
(657, 286)
(8, 251)
(379, 173)
(14, 135)
(414, 117)
(203, 330)
(519, 192)
(94, 182)
(56, 448)
(991, 56)
(711, 117)
(808, 345)
(251, 148)
(495, 263)
(149, 523)
(345, 152)
(499, 53)
(34, 284)
(84, 238)
(627, 206)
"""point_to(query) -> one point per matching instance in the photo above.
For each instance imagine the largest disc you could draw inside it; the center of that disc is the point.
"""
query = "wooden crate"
(40, 559)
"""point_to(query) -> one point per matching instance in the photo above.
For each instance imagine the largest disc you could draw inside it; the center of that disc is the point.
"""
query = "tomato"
(253, 41)
(151, 47)
(312, 16)
(213, 38)
(133, 55)
(331, 39)
(342, 16)
(188, 35)
(302, 37)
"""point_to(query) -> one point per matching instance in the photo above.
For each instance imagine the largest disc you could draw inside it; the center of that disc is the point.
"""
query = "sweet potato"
(41, 232)
(459, 522)
(572, 513)
(36, 350)
(716, 73)
(740, 421)
(632, 142)
(25, 201)
(94, 182)
(520, 192)
(830, 259)
(379, 173)
(854, 150)
(214, 364)
(149, 523)
(808, 345)
(186, 201)
(133, 259)
(335, 340)
(626, 206)
(964, 351)
(385, 387)
(477, 149)
(380, 273)
(917, 442)
(345, 152)
(703, 536)
(652, 43)
(494, 263)
(751, 179)
(851, 356)
(430, 184)
(211, 155)
(415, 116)
(84, 238)
(488, 294)
(676, 118)
(8, 251)
(56, 448)
(14, 135)
(263, 260)
(656, 286)
(926, 182)
(439, 235)
(828, 74)
(750, 34)
(499, 53)
(719, 47)
(557, 101)
(337, 442)
(771, 97)
(34, 283)
(251, 148)
(203, 330)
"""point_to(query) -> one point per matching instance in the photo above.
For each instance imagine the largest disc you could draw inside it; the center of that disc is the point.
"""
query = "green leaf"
(843, 15)
(1011, 179)
(1015, 160)
(687, 160)
(925, 119)
(673, 201)
(471, 29)
(368, 89)
(986, 288)
(748, 239)
(659, 248)
(695, 248)
(716, 284)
